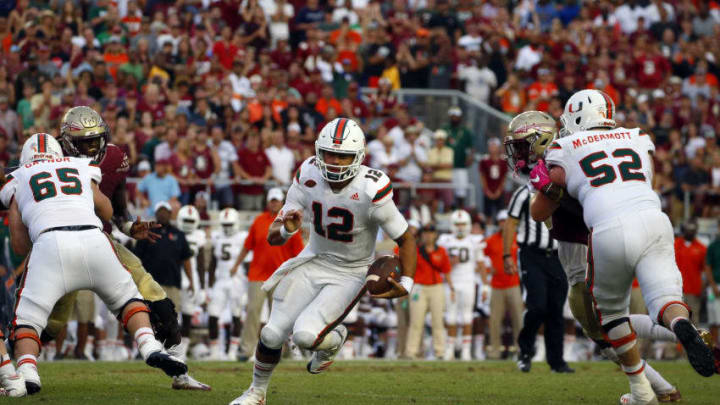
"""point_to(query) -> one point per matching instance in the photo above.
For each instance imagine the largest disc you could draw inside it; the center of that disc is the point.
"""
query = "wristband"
(127, 228)
(407, 283)
(285, 234)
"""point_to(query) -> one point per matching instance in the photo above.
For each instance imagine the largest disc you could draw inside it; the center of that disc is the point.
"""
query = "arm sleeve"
(390, 219)
(293, 200)
(8, 191)
(554, 155)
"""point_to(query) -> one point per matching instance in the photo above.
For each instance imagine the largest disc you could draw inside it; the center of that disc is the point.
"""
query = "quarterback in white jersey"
(54, 206)
(467, 261)
(609, 171)
(226, 288)
(346, 204)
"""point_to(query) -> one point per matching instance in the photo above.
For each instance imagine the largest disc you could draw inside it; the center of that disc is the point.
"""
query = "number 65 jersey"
(608, 171)
(344, 224)
(53, 193)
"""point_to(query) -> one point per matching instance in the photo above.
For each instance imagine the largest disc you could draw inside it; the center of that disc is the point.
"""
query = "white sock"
(450, 345)
(479, 343)
(467, 342)
(27, 360)
(659, 384)
(6, 365)
(262, 373)
(645, 328)
(147, 344)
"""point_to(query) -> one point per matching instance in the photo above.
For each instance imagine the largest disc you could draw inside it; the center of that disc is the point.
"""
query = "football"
(382, 268)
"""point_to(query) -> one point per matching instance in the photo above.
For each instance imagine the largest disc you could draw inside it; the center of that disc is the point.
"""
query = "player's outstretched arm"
(283, 227)
(408, 260)
(103, 207)
(19, 236)
(139, 230)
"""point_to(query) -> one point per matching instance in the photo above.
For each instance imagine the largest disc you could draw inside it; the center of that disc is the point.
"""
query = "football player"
(188, 220)
(60, 201)
(346, 204)
(83, 133)
(528, 146)
(467, 261)
(609, 170)
(227, 284)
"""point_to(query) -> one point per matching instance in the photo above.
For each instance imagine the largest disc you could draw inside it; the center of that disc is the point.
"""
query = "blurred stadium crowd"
(227, 96)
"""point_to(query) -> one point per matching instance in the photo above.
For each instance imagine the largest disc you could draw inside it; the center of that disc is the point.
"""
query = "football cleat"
(253, 396)
(699, 354)
(627, 399)
(322, 359)
(13, 385)
(670, 396)
(32, 379)
(185, 382)
(167, 363)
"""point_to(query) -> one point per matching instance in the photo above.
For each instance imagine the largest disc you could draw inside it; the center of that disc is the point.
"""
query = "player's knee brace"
(304, 340)
(271, 338)
(620, 334)
(126, 313)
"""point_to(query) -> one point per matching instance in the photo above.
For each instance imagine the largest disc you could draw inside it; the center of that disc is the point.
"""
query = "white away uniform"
(227, 290)
(58, 193)
(460, 310)
(610, 173)
(315, 290)
(196, 240)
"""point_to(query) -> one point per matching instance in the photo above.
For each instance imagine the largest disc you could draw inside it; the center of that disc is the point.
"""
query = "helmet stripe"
(41, 143)
(608, 103)
(339, 130)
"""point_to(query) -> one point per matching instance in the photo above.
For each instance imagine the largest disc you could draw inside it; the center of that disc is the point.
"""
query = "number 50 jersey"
(53, 193)
(344, 224)
(608, 171)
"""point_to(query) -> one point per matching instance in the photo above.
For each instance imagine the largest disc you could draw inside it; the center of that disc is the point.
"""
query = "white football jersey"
(226, 250)
(53, 193)
(468, 252)
(344, 224)
(196, 240)
(608, 171)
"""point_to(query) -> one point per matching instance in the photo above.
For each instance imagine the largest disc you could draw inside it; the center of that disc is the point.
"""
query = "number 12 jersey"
(608, 171)
(344, 224)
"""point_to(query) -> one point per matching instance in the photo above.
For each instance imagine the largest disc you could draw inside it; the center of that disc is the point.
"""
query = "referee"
(543, 278)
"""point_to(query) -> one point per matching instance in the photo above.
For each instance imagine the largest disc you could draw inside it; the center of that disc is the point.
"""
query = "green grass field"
(360, 382)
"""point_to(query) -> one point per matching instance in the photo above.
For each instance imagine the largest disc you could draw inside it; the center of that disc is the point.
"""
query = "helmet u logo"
(570, 107)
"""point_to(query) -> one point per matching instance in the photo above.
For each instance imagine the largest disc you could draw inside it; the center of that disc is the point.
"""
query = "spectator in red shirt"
(493, 171)
(690, 257)
(256, 168)
(151, 102)
(505, 285)
(542, 90)
(651, 66)
(428, 294)
(205, 161)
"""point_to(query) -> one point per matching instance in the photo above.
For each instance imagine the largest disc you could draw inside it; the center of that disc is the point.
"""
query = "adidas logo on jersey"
(355, 197)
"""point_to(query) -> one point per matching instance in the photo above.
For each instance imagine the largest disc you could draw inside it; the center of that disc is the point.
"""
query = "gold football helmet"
(83, 133)
(527, 136)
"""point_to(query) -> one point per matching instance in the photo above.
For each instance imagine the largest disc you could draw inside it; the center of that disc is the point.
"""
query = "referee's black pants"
(546, 289)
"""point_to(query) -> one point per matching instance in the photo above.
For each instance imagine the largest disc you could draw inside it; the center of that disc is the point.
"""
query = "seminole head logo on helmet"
(527, 137)
(83, 133)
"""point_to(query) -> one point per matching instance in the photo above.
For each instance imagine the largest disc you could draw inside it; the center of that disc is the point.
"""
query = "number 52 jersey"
(608, 171)
(344, 224)
(53, 193)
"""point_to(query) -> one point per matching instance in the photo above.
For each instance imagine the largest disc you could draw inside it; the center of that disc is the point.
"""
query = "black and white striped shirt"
(529, 232)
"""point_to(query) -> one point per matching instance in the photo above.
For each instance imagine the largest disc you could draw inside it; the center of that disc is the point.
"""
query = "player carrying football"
(609, 171)
(346, 203)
